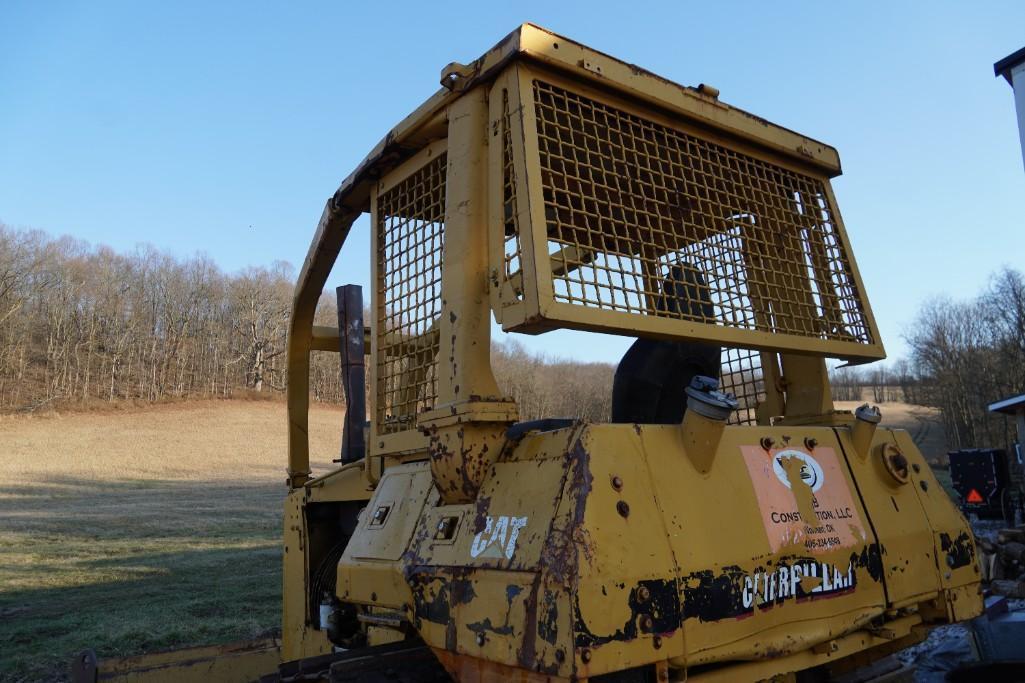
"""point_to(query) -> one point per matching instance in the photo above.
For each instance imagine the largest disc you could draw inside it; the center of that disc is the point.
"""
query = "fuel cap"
(704, 397)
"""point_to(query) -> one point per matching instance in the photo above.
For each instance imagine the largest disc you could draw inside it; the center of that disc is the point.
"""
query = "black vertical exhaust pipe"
(350, 338)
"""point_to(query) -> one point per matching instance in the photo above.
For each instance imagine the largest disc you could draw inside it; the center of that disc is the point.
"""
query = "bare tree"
(968, 354)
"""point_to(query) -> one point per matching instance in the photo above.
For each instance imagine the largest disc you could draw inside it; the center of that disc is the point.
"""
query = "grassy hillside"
(144, 530)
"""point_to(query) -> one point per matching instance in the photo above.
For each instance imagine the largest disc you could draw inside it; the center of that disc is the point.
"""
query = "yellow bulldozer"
(726, 524)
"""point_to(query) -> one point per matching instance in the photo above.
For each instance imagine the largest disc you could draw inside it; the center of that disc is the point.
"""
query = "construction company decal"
(498, 539)
(783, 480)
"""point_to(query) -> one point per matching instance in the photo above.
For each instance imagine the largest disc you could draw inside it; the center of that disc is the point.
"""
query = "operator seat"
(652, 378)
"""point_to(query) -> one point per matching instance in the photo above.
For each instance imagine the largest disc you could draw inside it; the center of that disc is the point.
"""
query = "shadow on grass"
(128, 567)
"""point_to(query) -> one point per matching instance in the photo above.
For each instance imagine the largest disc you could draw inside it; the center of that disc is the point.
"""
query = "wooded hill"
(81, 324)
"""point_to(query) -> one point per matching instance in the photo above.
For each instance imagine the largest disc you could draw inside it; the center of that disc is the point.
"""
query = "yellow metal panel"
(954, 544)
(345, 483)
(391, 515)
(506, 528)
(563, 315)
(368, 572)
(297, 638)
(628, 597)
(718, 534)
(231, 663)
(908, 556)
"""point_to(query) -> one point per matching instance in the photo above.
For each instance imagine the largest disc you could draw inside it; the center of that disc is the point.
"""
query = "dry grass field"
(152, 528)
(143, 530)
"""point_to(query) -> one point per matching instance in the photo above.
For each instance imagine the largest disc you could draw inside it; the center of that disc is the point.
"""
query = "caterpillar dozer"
(727, 524)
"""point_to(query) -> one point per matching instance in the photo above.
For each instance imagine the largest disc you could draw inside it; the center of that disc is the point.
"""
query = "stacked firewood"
(1003, 562)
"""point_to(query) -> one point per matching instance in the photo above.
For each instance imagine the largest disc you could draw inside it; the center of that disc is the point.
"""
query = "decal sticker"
(804, 498)
(498, 539)
(732, 592)
(796, 580)
(810, 470)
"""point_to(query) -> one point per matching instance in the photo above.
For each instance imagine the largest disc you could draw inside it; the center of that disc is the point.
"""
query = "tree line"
(878, 383)
(966, 354)
(82, 324)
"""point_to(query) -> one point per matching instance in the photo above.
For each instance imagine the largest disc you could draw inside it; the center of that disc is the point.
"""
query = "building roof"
(1009, 406)
(1004, 66)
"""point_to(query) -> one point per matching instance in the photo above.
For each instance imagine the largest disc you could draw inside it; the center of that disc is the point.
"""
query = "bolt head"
(623, 508)
(617, 483)
(585, 656)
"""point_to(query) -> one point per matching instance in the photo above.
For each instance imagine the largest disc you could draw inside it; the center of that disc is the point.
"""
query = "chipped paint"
(654, 608)
(960, 551)
(733, 592)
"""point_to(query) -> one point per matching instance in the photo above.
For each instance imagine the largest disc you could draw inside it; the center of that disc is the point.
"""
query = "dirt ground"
(144, 530)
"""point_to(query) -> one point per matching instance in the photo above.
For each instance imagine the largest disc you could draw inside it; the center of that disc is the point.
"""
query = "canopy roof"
(1009, 406)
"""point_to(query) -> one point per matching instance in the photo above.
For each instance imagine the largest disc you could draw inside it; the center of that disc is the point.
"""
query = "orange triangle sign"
(973, 497)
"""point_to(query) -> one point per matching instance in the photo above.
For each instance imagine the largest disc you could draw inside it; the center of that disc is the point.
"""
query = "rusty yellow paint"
(626, 547)
(467, 427)
(568, 552)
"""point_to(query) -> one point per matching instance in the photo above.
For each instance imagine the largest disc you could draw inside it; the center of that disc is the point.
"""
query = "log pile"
(1003, 562)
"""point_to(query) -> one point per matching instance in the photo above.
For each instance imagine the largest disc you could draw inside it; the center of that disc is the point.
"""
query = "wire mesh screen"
(512, 257)
(649, 220)
(741, 375)
(410, 233)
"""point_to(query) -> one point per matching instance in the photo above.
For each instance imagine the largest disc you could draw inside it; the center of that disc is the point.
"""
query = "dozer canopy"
(601, 186)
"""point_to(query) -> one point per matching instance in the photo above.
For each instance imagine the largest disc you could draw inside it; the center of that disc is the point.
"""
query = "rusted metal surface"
(576, 602)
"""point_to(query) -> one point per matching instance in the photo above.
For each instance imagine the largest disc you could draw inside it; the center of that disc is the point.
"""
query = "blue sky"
(222, 127)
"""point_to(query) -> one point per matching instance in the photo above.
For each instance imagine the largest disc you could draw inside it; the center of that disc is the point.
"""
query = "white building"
(1012, 67)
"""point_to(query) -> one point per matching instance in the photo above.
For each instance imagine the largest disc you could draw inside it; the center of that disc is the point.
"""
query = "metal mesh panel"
(646, 219)
(741, 375)
(512, 257)
(410, 233)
